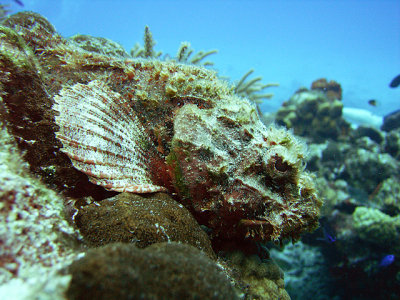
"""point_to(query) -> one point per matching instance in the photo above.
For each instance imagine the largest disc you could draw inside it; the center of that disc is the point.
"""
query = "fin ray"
(103, 138)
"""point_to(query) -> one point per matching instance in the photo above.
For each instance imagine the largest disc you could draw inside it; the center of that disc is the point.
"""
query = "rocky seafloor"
(126, 246)
(355, 252)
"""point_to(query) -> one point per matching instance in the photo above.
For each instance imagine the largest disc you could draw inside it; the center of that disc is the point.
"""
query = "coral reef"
(142, 220)
(366, 131)
(305, 271)
(376, 227)
(160, 271)
(35, 239)
(391, 121)
(262, 279)
(313, 115)
(387, 196)
(392, 143)
(365, 237)
(367, 169)
(185, 148)
(91, 121)
(354, 252)
(193, 137)
(331, 89)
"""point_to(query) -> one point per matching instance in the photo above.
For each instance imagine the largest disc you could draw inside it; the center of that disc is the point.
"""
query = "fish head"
(240, 178)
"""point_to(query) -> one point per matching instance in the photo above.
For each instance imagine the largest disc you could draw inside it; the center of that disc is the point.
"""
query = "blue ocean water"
(355, 42)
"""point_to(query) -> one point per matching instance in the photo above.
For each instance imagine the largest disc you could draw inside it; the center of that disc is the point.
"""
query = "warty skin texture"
(180, 129)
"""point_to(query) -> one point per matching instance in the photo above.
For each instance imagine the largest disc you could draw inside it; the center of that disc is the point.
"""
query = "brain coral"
(141, 126)
(160, 271)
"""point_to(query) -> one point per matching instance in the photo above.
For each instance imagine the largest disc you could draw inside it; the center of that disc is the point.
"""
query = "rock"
(371, 132)
(143, 220)
(391, 121)
(35, 239)
(99, 45)
(392, 143)
(378, 228)
(261, 279)
(313, 115)
(387, 197)
(160, 271)
(331, 88)
(365, 169)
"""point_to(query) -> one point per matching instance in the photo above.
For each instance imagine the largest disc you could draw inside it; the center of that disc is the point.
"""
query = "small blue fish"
(329, 236)
(387, 260)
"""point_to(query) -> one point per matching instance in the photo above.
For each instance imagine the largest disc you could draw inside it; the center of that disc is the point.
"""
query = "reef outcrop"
(313, 114)
(160, 271)
(358, 176)
(141, 220)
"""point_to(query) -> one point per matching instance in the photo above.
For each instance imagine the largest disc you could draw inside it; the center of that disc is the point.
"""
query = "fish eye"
(281, 166)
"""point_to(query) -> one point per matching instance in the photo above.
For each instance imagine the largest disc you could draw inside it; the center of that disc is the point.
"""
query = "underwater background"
(324, 70)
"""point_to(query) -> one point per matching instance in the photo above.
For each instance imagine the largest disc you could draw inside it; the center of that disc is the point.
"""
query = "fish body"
(185, 132)
(395, 82)
(145, 126)
(387, 260)
(328, 236)
(373, 102)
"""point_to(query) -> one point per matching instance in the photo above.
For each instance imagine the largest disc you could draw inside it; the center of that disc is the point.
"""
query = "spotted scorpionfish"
(145, 126)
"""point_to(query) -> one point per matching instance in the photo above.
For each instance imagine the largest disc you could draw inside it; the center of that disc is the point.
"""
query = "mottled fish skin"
(144, 126)
(193, 137)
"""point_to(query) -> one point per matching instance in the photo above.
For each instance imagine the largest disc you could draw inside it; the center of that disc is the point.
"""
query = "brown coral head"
(331, 89)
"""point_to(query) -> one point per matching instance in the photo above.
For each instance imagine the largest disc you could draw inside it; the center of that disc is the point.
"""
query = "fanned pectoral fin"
(103, 138)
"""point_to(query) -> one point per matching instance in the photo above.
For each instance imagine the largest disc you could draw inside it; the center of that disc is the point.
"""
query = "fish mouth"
(277, 217)
(256, 229)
